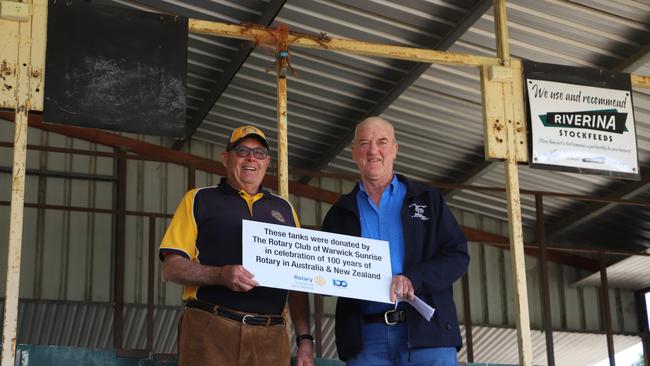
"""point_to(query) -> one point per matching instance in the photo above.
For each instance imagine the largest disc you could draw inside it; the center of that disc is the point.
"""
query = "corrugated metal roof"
(437, 118)
(632, 273)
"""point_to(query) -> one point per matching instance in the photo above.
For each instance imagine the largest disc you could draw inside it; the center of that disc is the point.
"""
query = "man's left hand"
(401, 288)
(305, 354)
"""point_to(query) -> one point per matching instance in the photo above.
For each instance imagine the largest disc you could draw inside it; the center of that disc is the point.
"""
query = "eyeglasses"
(258, 152)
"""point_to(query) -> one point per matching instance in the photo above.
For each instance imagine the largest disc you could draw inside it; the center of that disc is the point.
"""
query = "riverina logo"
(609, 120)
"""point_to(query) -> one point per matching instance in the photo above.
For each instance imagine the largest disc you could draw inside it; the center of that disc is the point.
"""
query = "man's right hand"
(179, 269)
(236, 278)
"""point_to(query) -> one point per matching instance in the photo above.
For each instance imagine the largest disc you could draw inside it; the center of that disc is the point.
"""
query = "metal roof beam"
(228, 74)
(474, 174)
(595, 209)
(553, 253)
(445, 43)
(634, 62)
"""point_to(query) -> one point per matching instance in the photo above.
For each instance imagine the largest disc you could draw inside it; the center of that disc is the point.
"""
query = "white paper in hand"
(422, 307)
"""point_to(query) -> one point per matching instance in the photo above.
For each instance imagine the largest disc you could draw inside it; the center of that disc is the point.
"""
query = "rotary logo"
(320, 281)
(278, 216)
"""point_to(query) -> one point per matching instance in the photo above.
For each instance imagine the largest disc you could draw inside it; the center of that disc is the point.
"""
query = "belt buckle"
(243, 319)
(386, 318)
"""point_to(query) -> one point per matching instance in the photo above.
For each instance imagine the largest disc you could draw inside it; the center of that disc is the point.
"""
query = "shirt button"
(448, 326)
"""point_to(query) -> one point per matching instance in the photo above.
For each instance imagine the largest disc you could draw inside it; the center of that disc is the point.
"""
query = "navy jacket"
(435, 257)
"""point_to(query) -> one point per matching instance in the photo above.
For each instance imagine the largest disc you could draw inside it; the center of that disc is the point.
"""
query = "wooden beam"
(634, 62)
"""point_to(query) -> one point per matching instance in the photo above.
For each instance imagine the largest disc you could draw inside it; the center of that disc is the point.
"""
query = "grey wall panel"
(134, 260)
(310, 211)
(27, 272)
(591, 308)
(573, 295)
(99, 270)
(477, 289)
(52, 257)
(493, 278)
(628, 311)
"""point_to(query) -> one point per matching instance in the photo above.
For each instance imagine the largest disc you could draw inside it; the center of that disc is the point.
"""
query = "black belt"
(390, 317)
(248, 319)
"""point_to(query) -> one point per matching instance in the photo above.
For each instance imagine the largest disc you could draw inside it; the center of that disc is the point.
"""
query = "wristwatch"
(299, 338)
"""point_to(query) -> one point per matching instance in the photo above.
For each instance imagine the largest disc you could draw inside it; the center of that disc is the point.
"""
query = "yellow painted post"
(283, 145)
(512, 191)
(19, 70)
(640, 81)
(282, 64)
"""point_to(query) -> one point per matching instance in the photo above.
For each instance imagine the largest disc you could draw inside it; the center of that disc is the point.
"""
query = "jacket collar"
(349, 201)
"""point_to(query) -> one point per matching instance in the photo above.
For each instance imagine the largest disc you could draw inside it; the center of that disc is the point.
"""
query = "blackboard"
(115, 68)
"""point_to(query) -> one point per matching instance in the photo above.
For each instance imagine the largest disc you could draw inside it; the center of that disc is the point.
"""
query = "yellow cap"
(243, 132)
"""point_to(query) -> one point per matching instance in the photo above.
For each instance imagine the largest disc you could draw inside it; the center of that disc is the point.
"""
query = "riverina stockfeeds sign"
(581, 120)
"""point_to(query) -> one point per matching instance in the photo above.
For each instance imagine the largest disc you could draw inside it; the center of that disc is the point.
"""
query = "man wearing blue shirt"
(428, 253)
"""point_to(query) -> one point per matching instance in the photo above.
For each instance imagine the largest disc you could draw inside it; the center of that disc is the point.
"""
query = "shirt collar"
(227, 188)
(393, 186)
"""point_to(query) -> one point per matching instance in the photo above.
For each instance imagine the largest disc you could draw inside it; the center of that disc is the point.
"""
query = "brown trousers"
(208, 339)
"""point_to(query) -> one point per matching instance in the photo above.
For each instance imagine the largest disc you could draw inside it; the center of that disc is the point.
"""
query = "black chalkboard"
(115, 68)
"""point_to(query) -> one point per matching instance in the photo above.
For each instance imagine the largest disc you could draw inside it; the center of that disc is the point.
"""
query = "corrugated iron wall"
(67, 256)
(88, 325)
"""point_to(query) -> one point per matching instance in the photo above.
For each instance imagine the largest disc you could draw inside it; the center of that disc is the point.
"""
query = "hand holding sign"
(236, 278)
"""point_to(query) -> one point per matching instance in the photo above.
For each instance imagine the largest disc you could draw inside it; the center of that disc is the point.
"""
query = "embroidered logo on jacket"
(278, 216)
(418, 211)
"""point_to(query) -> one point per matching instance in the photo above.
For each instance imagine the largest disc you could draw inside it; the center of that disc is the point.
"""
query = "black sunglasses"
(244, 152)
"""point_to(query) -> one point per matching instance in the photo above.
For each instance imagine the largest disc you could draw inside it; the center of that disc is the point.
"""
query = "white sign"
(316, 261)
(582, 127)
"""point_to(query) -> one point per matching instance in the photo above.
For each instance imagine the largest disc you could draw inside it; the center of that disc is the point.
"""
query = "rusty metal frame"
(545, 296)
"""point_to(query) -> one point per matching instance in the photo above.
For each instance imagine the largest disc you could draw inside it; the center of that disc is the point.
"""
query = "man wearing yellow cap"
(228, 319)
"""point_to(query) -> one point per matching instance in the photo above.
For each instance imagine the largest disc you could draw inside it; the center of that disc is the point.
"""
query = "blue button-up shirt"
(384, 223)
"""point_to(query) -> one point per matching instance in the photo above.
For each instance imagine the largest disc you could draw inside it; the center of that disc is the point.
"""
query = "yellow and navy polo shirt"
(207, 229)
